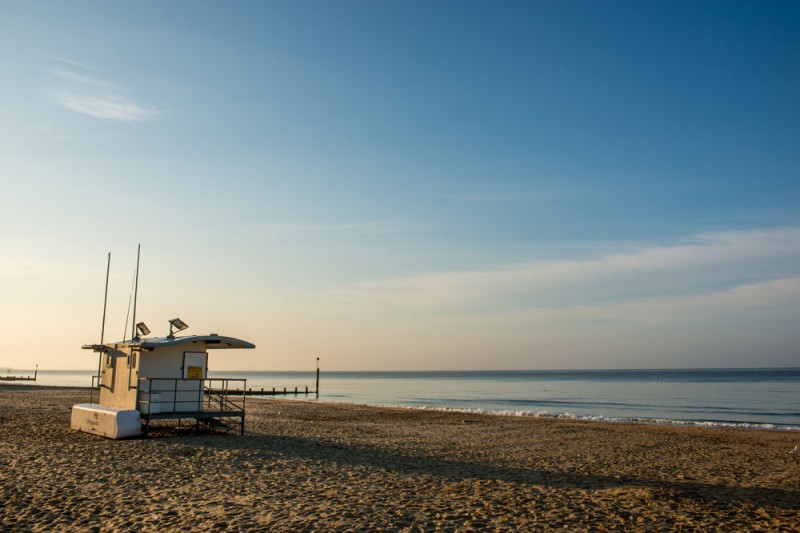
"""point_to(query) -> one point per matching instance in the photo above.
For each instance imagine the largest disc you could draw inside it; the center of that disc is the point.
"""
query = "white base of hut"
(106, 421)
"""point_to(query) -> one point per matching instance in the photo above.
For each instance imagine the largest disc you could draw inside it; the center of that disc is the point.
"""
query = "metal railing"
(95, 387)
(187, 396)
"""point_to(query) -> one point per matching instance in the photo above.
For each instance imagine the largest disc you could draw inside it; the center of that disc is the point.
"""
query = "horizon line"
(619, 369)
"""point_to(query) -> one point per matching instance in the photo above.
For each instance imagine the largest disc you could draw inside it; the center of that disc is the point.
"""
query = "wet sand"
(305, 466)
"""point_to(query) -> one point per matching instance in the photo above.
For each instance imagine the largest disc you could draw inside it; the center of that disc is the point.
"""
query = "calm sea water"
(750, 398)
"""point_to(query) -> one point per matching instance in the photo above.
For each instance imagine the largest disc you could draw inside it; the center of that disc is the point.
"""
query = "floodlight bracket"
(142, 330)
(178, 325)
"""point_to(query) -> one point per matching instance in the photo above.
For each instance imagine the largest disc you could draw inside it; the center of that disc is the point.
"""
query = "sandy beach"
(305, 466)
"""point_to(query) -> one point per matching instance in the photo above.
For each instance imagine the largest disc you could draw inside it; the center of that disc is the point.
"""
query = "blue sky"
(406, 185)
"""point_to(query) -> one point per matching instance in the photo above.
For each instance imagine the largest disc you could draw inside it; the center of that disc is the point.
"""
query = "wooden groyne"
(278, 392)
(21, 378)
(275, 391)
(285, 391)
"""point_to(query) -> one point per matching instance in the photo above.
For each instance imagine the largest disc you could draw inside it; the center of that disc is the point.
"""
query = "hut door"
(194, 365)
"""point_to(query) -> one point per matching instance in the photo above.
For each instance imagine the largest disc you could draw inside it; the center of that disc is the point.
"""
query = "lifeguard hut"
(158, 378)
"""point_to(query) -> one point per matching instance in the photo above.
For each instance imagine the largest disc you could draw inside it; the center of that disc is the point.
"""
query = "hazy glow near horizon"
(411, 185)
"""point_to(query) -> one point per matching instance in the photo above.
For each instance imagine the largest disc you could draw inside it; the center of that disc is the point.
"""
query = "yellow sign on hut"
(194, 372)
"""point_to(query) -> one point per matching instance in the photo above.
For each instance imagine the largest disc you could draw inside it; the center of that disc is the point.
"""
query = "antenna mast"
(103, 327)
(135, 293)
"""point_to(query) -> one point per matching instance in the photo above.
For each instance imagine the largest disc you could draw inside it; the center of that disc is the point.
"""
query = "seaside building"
(157, 378)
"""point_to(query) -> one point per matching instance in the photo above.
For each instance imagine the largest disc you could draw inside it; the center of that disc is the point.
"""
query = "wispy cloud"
(519, 195)
(490, 197)
(66, 75)
(95, 97)
(712, 263)
(781, 293)
(368, 227)
(106, 106)
(494, 193)
(67, 61)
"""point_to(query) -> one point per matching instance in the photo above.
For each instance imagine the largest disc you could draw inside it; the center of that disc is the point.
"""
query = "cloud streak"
(368, 227)
(742, 300)
(97, 98)
(561, 192)
(702, 265)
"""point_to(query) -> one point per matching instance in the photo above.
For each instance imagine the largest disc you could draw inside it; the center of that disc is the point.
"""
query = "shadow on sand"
(381, 459)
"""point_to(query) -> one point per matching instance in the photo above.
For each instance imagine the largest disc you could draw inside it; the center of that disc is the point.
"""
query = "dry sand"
(305, 466)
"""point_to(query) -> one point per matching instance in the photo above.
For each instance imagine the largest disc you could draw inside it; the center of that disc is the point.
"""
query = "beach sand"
(306, 466)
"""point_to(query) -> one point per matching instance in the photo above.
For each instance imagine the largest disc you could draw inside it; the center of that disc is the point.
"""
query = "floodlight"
(142, 329)
(178, 324)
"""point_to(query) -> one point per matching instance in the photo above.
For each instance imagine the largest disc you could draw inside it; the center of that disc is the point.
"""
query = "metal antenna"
(128, 313)
(103, 327)
(135, 293)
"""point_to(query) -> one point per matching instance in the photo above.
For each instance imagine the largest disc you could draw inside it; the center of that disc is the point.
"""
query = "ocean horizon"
(754, 398)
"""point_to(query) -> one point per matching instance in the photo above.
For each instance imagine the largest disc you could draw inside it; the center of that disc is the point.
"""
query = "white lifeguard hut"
(145, 379)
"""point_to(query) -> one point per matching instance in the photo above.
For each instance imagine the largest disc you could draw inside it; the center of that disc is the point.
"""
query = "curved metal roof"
(210, 342)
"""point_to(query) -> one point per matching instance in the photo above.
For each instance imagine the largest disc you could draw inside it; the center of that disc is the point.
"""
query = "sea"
(751, 398)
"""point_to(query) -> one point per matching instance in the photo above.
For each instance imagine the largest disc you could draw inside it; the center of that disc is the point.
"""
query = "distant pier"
(285, 391)
(21, 378)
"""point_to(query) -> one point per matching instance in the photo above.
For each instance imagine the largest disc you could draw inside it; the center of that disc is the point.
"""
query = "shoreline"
(346, 467)
(721, 424)
(711, 424)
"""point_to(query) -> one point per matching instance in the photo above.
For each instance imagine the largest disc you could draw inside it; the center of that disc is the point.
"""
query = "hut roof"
(210, 342)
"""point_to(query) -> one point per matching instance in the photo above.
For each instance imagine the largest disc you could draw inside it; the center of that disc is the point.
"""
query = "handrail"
(178, 395)
(93, 387)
